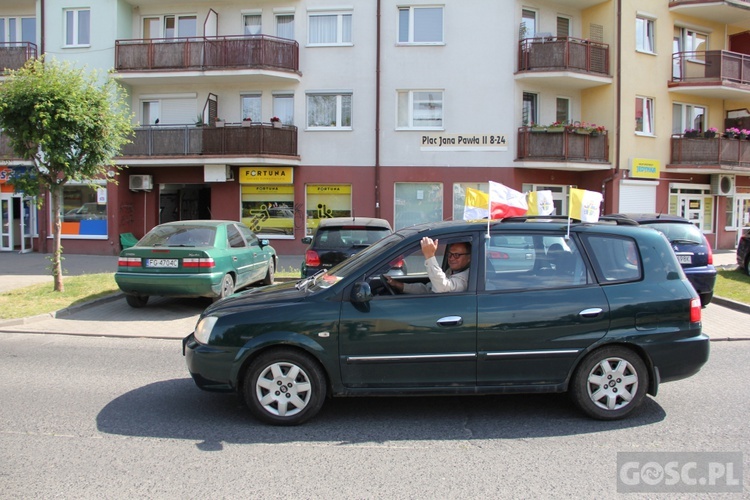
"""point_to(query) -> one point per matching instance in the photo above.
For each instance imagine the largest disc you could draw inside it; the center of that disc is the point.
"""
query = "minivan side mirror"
(361, 292)
(307, 240)
(264, 243)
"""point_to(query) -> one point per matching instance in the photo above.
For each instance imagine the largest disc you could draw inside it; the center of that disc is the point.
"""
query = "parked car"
(194, 258)
(611, 320)
(338, 238)
(743, 253)
(689, 244)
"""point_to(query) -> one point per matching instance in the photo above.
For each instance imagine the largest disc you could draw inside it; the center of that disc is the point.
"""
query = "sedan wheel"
(227, 287)
(137, 301)
(268, 280)
(610, 383)
(284, 387)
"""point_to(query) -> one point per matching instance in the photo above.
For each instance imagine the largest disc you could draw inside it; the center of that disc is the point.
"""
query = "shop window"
(269, 210)
(417, 202)
(325, 201)
(84, 211)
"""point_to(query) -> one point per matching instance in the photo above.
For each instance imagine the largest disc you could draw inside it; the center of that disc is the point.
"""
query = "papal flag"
(584, 205)
(477, 205)
(540, 202)
(506, 202)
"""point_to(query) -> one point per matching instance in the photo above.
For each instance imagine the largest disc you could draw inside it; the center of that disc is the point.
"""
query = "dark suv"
(338, 238)
(743, 253)
(689, 244)
(602, 311)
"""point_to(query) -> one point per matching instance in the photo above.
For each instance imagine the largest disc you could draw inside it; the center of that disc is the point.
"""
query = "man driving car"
(455, 279)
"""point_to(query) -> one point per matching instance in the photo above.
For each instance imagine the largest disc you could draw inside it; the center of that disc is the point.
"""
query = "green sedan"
(194, 258)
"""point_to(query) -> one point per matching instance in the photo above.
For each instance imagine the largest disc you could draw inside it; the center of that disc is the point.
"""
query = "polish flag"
(506, 202)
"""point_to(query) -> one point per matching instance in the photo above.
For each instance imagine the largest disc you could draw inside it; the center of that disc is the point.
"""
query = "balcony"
(701, 155)
(711, 73)
(13, 55)
(731, 12)
(563, 62)
(165, 141)
(200, 57)
(563, 146)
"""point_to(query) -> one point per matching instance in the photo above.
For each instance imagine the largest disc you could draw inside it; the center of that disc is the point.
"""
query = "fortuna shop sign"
(266, 175)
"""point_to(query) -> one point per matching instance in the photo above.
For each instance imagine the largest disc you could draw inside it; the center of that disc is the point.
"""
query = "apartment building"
(280, 113)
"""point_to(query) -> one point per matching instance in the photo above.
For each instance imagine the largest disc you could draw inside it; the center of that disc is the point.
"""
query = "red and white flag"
(506, 202)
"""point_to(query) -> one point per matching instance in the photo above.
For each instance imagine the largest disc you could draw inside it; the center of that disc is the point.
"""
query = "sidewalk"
(175, 318)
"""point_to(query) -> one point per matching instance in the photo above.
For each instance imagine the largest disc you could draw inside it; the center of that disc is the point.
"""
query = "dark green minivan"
(602, 311)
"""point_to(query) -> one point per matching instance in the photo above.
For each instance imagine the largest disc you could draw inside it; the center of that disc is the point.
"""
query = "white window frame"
(648, 118)
(559, 100)
(73, 16)
(340, 29)
(405, 106)
(687, 115)
(340, 116)
(411, 19)
(645, 34)
(529, 109)
(256, 97)
(278, 100)
(100, 185)
(277, 17)
(162, 25)
(254, 14)
(12, 29)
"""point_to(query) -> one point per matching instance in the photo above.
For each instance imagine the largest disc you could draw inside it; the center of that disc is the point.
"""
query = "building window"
(285, 26)
(420, 25)
(562, 110)
(169, 26)
(84, 210)
(77, 27)
(421, 109)
(644, 35)
(530, 110)
(330, 29)
(528, 24)
(9, 31)
(644, 115)
(559, 195)
(283, 107)
(269, 209)
(329, 110)
(251, 109)
(688, 117)
(325, 201)
(252, 24)
(563, 27)
(417, 202)
(151, 112)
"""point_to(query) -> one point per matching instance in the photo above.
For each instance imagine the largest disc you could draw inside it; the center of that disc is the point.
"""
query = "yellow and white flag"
(584, 205)
(540, 202)
(477, 205)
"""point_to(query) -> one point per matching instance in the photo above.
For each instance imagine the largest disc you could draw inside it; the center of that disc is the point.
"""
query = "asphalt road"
(97, 417)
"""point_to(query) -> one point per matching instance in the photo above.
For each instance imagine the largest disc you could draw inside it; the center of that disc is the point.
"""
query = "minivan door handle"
(592, 312)
(451, 321)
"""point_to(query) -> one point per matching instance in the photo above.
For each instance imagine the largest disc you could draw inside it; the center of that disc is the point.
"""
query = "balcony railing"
(231, 140)
(560, 53)
(562, 146)
(716, 151)
(13, 55)
(207, 53)
(711, 66)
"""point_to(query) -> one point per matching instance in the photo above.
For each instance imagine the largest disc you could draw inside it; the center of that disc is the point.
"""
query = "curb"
(61, 313)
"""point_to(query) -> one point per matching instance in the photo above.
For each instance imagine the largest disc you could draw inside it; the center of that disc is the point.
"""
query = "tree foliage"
(69, 123)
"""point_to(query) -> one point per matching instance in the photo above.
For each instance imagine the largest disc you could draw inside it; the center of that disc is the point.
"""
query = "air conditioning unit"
(140, 183)
(722, 185)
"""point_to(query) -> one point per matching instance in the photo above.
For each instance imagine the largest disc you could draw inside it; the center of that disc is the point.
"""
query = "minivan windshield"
(353, 264)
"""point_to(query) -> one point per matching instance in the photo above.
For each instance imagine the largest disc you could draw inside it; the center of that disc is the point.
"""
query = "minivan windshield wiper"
(304, 283)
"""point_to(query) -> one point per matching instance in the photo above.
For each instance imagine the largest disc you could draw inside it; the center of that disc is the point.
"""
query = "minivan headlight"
(204, 328)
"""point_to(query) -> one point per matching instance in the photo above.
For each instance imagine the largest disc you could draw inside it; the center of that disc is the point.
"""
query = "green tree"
(70, 124)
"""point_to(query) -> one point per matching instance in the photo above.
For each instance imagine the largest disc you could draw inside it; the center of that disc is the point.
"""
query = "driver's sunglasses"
(455, 255)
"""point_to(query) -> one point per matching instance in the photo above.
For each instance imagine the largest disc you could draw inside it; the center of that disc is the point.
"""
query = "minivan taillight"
(312, 258)
(695, 310)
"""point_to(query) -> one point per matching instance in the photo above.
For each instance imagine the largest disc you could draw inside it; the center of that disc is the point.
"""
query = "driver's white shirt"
(440, 282)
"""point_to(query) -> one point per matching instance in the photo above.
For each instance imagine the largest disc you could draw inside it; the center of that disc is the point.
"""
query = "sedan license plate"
(161, 263)
(685, 259)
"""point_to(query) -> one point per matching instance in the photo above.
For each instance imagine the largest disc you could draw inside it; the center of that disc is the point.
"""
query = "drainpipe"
(377, 114)
(41, 28)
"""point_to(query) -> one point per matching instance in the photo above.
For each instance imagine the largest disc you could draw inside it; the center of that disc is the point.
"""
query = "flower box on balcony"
(247, 123)
(556, 130)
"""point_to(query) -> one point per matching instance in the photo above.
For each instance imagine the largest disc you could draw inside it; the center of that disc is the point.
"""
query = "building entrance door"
(691, 208)
(743, 216)
(18, 214)
(6, 222)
